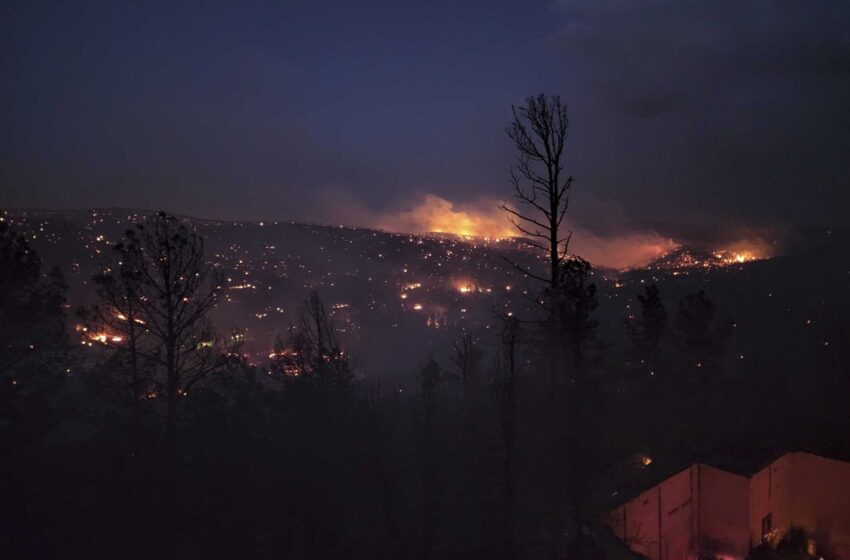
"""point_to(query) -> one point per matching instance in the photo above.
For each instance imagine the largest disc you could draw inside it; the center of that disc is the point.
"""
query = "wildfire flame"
(744, 251)
(435, 214)
(619, 250)
(89, 337)
(465, 286)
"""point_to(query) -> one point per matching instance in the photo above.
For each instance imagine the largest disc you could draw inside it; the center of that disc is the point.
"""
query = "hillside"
(398, 296)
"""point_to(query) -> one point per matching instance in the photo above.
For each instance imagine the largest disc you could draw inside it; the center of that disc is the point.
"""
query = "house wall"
(700, 505)
(722, 523)
(769, 495)
(710, 509)
(804, 490)
(679, 507)
(636, 523)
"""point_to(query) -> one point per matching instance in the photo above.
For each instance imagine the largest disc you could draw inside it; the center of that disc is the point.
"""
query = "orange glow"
(484, 218)
(744, 251)
(737, 257)
(121, 317)
(104, 338)
(435, 214)
(465, 286)
(286, 355)
(620, 251)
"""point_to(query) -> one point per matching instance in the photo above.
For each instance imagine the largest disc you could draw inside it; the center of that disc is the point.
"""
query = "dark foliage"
(299, 458)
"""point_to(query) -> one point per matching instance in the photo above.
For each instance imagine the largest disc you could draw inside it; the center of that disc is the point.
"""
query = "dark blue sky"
(729, 111)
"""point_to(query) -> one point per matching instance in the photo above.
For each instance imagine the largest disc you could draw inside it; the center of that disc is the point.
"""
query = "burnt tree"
(541, 188)
(539, 133)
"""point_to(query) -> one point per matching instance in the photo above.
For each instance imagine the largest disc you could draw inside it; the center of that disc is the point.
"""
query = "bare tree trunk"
(164, 276)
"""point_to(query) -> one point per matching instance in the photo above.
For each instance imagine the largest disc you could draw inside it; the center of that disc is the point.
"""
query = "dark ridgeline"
(155, 438)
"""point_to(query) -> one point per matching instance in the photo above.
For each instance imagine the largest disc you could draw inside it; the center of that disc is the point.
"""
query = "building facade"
(698, 512)
(705, 512)
(803, 490)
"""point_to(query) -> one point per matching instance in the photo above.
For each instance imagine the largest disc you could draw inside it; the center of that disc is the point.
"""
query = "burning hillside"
(693, 258)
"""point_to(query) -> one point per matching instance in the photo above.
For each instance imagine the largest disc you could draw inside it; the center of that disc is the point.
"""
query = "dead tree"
(539, 132)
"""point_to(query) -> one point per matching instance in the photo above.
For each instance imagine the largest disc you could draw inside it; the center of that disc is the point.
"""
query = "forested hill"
(399, 297)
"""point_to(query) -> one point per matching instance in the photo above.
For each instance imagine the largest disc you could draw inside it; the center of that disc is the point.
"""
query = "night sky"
(724, 112)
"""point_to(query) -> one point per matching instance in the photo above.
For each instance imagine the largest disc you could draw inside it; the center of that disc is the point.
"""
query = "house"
(704, 511)
(804, 490)
(699, 510)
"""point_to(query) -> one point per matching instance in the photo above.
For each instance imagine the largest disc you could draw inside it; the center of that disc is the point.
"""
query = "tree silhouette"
(32, 328)
(312, 354)
(648, 329)
(430, 379)
(117, 320)
(539, 133)
(503, 391)
(467, 358)
(35, 361)
(176, 290)
(647, 332)
(703, 338)
(576, 301)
